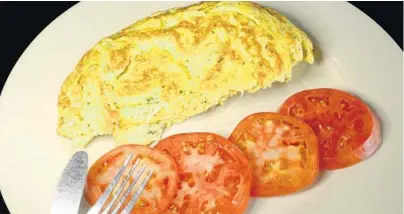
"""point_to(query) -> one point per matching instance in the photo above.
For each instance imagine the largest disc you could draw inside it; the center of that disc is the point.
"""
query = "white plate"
(353, 53)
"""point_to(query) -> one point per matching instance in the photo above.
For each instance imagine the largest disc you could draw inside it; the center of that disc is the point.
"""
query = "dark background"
(20, 23)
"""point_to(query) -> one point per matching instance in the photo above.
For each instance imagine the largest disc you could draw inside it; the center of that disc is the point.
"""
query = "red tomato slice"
(348, 132)
(214, 174)
(282, 150)
(160, 189)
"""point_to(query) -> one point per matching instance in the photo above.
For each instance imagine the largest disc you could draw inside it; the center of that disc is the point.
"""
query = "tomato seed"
(303, 154)
(191, 183)
(149, 187)
(345, 106)
(173, 208)
(342, 141)
(187, 197)
(283, 164)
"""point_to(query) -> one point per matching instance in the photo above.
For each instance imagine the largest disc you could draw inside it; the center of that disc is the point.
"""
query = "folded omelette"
(175, 64)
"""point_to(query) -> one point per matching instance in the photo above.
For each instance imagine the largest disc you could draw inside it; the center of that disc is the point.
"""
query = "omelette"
(175, 64)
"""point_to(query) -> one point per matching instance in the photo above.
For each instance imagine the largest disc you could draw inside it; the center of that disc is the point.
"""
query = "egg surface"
(175, 64)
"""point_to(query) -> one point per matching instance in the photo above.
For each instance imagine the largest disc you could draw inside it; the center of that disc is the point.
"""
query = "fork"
(102, 200)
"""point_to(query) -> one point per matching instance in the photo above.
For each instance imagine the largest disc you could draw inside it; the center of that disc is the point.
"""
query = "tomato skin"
(234, 162)
(343, 114)
(94, 188)
(305, 178)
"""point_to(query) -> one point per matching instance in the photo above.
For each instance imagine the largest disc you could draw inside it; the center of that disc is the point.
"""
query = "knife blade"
(69, 191)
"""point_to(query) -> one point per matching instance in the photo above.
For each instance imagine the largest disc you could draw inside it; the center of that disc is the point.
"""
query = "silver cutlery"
(69, 191)
(103, 205)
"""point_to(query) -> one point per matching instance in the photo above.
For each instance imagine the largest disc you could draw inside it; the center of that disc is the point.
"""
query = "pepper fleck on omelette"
(175, 64)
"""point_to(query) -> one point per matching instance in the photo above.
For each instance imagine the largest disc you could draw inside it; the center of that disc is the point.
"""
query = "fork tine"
(135, 196)
(103, 198)
(125, 195)
(121, 187)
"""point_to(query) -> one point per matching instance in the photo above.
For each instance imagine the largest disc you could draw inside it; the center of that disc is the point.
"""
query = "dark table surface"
(14, 38)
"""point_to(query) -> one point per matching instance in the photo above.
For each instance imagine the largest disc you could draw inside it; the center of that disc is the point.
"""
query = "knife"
(69, 191)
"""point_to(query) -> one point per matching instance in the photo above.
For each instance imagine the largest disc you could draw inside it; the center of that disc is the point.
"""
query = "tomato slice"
(160, 189)
(347, 130)
(214, 174)
(282, 150)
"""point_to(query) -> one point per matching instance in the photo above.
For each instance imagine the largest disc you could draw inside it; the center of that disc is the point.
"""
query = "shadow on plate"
(322, 177)
(251, 205)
